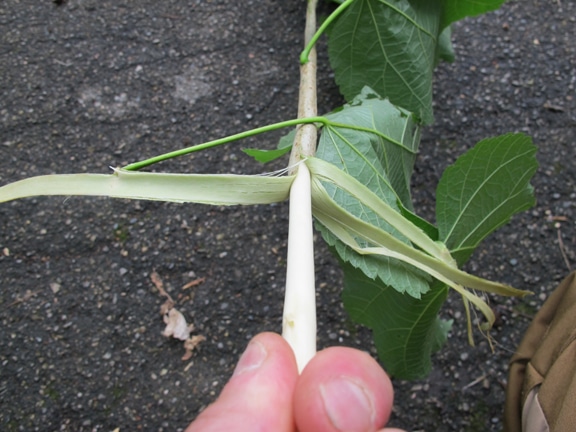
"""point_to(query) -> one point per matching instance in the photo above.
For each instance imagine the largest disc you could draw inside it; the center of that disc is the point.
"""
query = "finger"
(342, 389)
(259, 394)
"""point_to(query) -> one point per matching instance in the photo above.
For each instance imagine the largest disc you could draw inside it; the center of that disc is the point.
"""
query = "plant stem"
(322, 29)
(165, 156)
(306, 136)
(299, 318)
(307, 144)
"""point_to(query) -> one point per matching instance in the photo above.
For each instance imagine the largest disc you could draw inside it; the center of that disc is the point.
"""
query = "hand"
(341, 389)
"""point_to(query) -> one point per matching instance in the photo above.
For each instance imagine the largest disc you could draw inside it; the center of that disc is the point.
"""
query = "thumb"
(259, 394)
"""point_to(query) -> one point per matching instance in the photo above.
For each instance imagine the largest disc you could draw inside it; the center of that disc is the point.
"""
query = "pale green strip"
(340, 221)
(328, 172)
(216, 189)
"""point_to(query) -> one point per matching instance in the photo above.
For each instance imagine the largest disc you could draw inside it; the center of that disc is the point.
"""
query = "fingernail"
(349, 406)
(252, 358)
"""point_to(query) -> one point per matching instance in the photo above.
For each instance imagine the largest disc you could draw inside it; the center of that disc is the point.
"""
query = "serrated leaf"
(483, 189)
(382, 160)
(388, 270)
(455, 10)
(390, 46)
(406, 330)
(336, 224)
(382, 155)
(428, 256)
(216, 189)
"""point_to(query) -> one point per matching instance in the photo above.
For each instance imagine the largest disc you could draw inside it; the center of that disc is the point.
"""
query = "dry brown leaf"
(166, 306)
(155, 277)
(27, 296)
(194, 283)
(191, 344)
(176, 325)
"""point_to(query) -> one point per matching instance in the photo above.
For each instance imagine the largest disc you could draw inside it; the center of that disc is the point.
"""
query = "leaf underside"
(394, 45)
(384, 166)
(480, 192)
(401, 39)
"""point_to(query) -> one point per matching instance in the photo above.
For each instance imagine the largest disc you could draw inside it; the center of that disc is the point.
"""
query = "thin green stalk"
(294, 122)
(322, 29)
(287, 123)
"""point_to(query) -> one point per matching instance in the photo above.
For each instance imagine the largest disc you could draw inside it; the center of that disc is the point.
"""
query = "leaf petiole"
(324, 121)
(252, 132)
(322, 29)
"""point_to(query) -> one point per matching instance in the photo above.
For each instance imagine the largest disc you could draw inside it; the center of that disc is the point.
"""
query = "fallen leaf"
(155, 277)
(166, 306)
(176, 325)
(190, 345)
(55, 287)
(27, 296)
(194, 283)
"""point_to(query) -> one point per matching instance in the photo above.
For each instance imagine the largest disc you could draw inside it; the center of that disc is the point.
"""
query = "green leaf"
(286, 141)
(382, 160)
(388, 270)
(406, 330)
(264, 156)
(339, 228)
(284, 146)
(430, 229)
(483, 189)
(445, 49)
(443, 327)
(390, 46)
(455, 10)
(217, 189)
(427, 255)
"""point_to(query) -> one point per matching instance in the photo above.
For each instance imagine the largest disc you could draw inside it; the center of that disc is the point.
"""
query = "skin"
(341, 389)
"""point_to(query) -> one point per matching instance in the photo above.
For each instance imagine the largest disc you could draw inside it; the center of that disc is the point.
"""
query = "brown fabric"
(546, 357)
